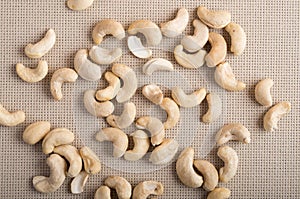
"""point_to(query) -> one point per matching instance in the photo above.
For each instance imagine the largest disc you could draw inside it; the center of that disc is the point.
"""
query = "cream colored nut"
(238, 38)
(225, 78)
(137, 49)
(214, 108)
(153, 93)
(141, 146)
(57, 137)
(35, 132)
(98, 109)
(157, 64)
(275, 113)
(125, 119)
(149, 29)
(129, 79)
(193, 43)
(91, 162)
(59, 77)
(154, 126)
(105, 56)
(117, 137)
(11, 118)
(71, 154)
(112, 90)
(40, 48)
(103, 192)
(79, 4)
(57, 176)
(173, 112)
(190, 61)
(219, 193)
(214, 19)
(263, 92)
(165, 152)
(79, 182)
(121, 185)
(233, 131)
(231, 160)
(218, 50)
(146, 188)
(176, 26)
(209, 173)
(107, 27)
(188, 101)
(32, 75)
(185, 170)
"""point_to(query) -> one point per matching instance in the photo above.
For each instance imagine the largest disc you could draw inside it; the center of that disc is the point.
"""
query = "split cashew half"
(121, 185)
(79, 4)
(165, 152)
(125, 119)
(35, 132)
(112, 90)
(157, 64)
(231, 160)
(136, 47)
(218, 50)
(79, 182)
(219, 193)
(91, 162)
(105, 56)
(11, 118)
(263, 92)
(146, 188)
(32, 75)
(188, 101)
(233, 131)
(103, 192)
(141, 146)
(238, 38)
(209, 173)
(190, 61)
(173, 112)
(214, 19)
(153, 93)
(214, 108)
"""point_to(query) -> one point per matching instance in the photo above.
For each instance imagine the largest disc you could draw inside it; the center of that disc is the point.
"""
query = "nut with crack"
(79, 182)
(153, 93)
(91, 162)
(146, 188)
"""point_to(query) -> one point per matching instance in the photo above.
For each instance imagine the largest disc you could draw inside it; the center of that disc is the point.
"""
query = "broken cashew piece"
(103, 192)
(112, 90)
(231, 160)
(157, 64)
(172, 110)
(79, 182)
(214, 108)
(91, 162)
(40, 48)
(219, 193)
(238, 38)
(125, 119)
(11, 118)
(79, 4)
(147, 188)
(190, 61)
(209, 173)
(35, 132)
(263, 92)
(136, 47)
(275, 113)
(165, 152)
(153, 93)
(141, 146)
(188, 101)
(233, 131)
(32, 75)
(218, 50)
(105, 56)
(121, 185)
(214, 19)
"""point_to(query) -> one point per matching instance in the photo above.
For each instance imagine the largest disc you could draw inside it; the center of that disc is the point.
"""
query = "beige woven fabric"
(269, 166)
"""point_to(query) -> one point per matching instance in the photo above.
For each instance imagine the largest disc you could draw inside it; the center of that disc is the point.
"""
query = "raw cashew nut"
(59, 77)
(40, 48)
(233, 131)
(157, 64)
(98, 109)
(71, 154)
(11, 118)
(188, 101)
(231, 160)
(225, 78)
(209, 173)
(117, 137)
(219, 193)
(263, 92)
(32, 75)
(57, 176)
(238, 38)
(103, 192)
(136, 47)
(154, 126)
(218, 50)
(165, 152)
(190, 61)
(129, 82)
(79, 4)
(141, 146)
(121, 185)
(112, 90)
(149, 29)
(176, 26)
(173, 112)
(214, 108)
(36, 132)
(107, 27)
(55, 138)
(153, 93)
(125, 119)
(193, 43)
(91, 162)
(185, 170)
(79, 182)
(214, 19)
(273, 115)
(146, 188)
(105, 56)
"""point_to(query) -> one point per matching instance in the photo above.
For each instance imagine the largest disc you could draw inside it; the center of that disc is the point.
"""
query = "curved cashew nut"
(136, 47)
(176, 26)
(273, 115)
(153, 93)
(79, 4)
(105, 56)
(79, 182)
(129, 82)
(165, 152)
(149, 29)
(231, 160)
(234, 131)
(103, 192)
(125, 119)
(32, 75)
(188, 101)
(59, 77)
(157, 64)
(98, 109)
(121, 185)
(219, 193)
(112, 90)
(214, 108)
(238, 38)
(117, 137)
(36, 132)
(11, 118)
(107, 27)
(225, 78)
(141, 146)
(40, 48)
(91, 162)
(209, 173)
(218, 50)
(146, 188)
(214, 19)
(185, 170)
(57, 176)
(263, 92)
(173, 112)
(190, 61)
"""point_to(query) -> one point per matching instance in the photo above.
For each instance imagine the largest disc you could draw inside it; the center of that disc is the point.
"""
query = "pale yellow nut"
(233, 131)
(11, 118)
(219, 193)
(209, 173)
(190, 100)
(263, 92)
(121, 185)
(79, 4)
(218, 50)
(35, 132)
(91, 162)
(32, 75)
(146, 188)
(231, 160)
(112, 90)
(125, 119)
(141, 145)
(105, 56)
(214, 18)
(172, 111)
(103, 192)
(153, 93)
(214, 108)
(238, 38)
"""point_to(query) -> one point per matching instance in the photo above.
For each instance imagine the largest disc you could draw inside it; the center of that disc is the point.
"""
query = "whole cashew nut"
(157, 64)
(121, 185)
(188, 101)
(173, 112)
(112, 90)
(165, 152)
(91, 162)
(79, 4)
(11, 118)
(233, 131)
(214, 108)
(231, 160)
(103, 192)
(218, 50)
(238, 38)
(146, 188)
(214, 19)
(153, 93)
(36, 132)
(32, 75)
(79, 182)
(219, 193)
(125, 119)
(190, 61)
(263, 92)
(105, 56)
(209, 173)
(141, 146)
(137, 49)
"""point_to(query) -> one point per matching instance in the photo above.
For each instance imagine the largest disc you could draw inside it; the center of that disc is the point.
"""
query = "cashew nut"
(214, 108)
(219, 193)
(233, 131)
(263, 92)
(238, 38)
(57, 176)
(91, 162)
(98, 109)
(209, 173)
(157, 64)
(79, 182)
(71, 154)
(214, 19)
(103, 192)
(105, 56)
(59, 77)
(225, 78)
(188, 101)
(190, 61)
(125, 119)
(176, 26)
(36, 132)
(165, 152)
(121, 185)
(129, 82)
(107, 27)
(32, 75)
(79, 4)
(231, 160)
(154, 126)
(218, 50)
(185, 170)
(153, 93)
(11, 118)
(136, 47)
(111, 91)
(146, 188)
(117, 137)
(40, 48)
(272, 117)
(173, 112)
(193, 43)
(149, 29)
(141, 146)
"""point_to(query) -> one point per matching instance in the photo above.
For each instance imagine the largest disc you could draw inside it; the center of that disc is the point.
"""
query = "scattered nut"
(165, 152)
(231, 160)
(125, 119)
(112, 90)
(209, 173)
(146, 188)
(136, 47)
(172, 110)
(214, 108)
(233, 131)
(35, 132)
(214, 19)
(190, 61)
(219, 193)
(103, 192)
(157, 64)
(105, 56)
(263, 92)
(153, 93)
(79, 182)
(79, 4)
(121, 185)
(218, 50)
(11, 118)
(91, 162)
(238, 38)
(141, 146)
(188, 101)
(32, 75)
